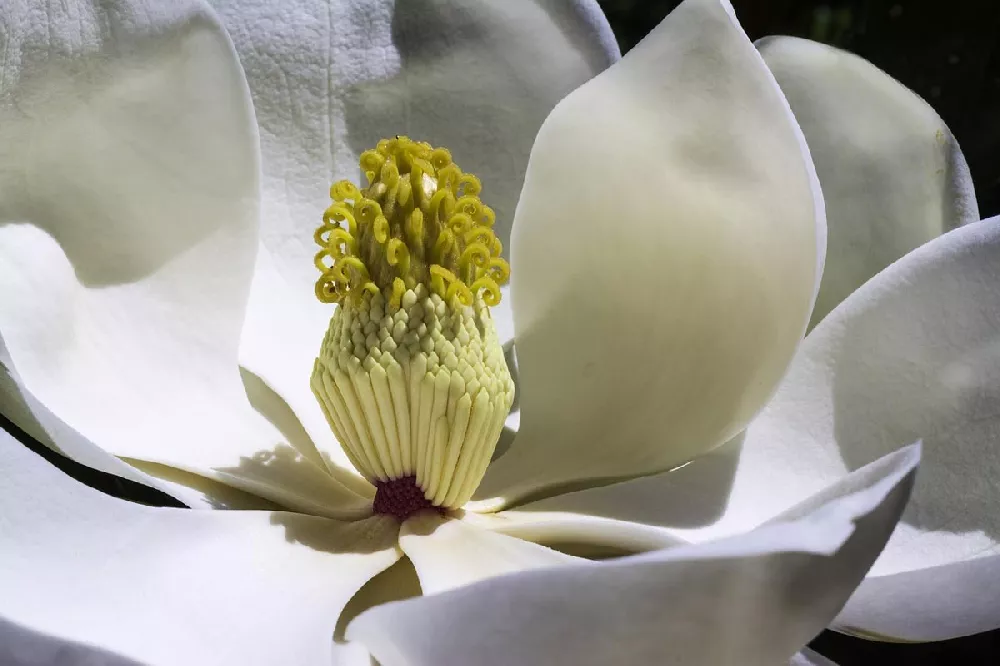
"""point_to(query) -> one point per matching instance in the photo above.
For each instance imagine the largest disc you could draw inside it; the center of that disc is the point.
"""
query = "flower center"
(411, 375)
(401, 498)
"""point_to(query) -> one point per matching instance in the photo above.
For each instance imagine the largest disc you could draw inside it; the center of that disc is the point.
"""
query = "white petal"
(20, 646)
(36, 422)
(666, 251)
(588, 536)
(935, 603)
(329, 79)
(893, 176)
(128, 224)
(753, 599)
(27, 413)
(912, 354)
(449, 553)
(690, 501)
(173, 586)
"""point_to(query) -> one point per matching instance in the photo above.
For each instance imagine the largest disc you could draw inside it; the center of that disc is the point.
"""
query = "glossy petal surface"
(912, 354)
(589, 536)
(449, 553)
(665, 255)
(85, 573)
(128, 234)
(893, 176)
(752, 599)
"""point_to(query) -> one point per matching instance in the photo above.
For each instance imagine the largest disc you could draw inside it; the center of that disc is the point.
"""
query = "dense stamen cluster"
(416, 389)
(411, 375)
(420, 220)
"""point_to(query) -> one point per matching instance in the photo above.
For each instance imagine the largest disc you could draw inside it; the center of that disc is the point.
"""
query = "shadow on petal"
(290, 479)
(71, 156)
(273, 407)
(396, 583)
(215, 494)
(369, 535)
(509, 431)
(269, 404)
(690, 496)
(464, 84)
(26, 647)
(949, 400)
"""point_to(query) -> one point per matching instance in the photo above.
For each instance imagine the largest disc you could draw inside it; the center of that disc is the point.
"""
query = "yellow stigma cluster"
(419, 221)
(411, 374)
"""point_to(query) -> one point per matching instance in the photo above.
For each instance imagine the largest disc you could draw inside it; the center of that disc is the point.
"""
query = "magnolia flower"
(161, 190)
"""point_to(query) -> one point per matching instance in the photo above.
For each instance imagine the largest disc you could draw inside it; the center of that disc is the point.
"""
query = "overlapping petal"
(330, 79)
(171, 586)
(20, 646)
(449, 554)
(25, 412)
(667, 247)
(128, 234)
(912, 354)
(752, 599)
(893, 175)
(585, 535)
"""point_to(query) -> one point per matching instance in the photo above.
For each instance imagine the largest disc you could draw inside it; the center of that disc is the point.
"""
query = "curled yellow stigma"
(411, 375)
(419, 220)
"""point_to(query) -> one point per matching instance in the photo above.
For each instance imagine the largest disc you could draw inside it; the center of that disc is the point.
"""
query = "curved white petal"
(128, 233)
(694, 500)
(31, 416)
(173, 586)
(25, 412)
(893, 176)
(329, 79)
(21, 646)
(589, 536)
(449, 553)
(752, 599)
(912, 354)
(936, 603)
(666, 250)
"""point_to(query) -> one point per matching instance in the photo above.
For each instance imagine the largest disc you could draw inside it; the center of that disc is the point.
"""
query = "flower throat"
(411, 375)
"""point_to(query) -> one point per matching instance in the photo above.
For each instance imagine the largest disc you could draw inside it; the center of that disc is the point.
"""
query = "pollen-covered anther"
(419, 221)
(411, 374)
(416, 389)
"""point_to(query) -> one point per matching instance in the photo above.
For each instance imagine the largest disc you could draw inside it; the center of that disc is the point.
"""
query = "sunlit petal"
(912, 354)
(588, 536)
(128, 234)
(753, 599)
(170, 586)
(666, 251)
(449, 553)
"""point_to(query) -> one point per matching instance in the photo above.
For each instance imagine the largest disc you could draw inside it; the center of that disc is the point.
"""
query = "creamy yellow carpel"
(411, 375)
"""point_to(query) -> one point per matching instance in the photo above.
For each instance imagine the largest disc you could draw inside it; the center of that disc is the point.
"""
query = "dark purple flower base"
(401, 498)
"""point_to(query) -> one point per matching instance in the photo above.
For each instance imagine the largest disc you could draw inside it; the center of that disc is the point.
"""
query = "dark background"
(946, 52)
